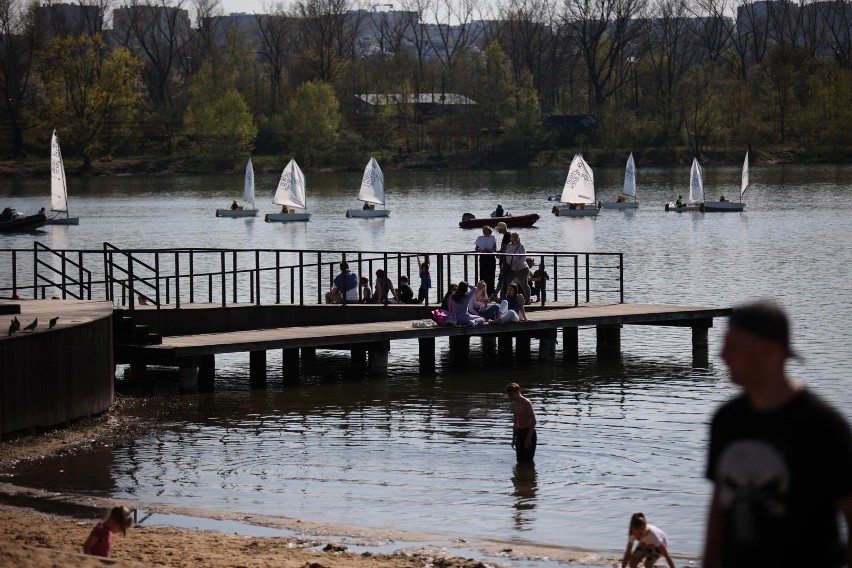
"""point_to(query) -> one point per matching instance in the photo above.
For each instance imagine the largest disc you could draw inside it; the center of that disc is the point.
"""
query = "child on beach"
(99, 540)
(651, 543)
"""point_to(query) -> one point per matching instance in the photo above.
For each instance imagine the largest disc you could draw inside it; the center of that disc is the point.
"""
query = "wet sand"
(40, 528)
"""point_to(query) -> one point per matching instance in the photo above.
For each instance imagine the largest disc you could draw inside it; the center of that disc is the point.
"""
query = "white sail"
(629, 178)
(580, 183)
(291, 187)
(744, 184)
(372, 184)
(58, 190)
(696, 183)
(248, 191)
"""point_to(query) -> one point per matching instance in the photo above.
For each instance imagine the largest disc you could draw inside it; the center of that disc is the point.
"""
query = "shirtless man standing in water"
(523, 432)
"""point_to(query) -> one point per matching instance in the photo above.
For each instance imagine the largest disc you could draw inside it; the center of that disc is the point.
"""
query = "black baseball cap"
(764, 319)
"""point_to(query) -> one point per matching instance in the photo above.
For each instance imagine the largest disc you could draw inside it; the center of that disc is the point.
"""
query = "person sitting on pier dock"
(459, 311)
(404, 291)
(445, 302)
(344, 283)
(480, 304)
(384, 292)
(365, 293)
(512, 308)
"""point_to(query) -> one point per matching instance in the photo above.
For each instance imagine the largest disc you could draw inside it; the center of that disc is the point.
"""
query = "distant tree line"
(332, 81)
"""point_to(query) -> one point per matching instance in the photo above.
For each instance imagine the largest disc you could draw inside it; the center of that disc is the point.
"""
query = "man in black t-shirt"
(780, 458)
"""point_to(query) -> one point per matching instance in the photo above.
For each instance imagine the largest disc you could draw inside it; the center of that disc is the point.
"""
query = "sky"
(248, 6)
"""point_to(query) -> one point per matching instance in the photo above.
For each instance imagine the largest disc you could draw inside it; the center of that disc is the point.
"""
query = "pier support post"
(136, 373)
(570, 344)
(699, 337)
(609, 341)
(426, 352)
(378, 358)
(460, 347)
(522, 347)
(504, 347)
(206, 372)
(188, 376)
(290, 366)
(309, 359)
(358, 360)
(547, 345)
(257, 369)
(489, 346)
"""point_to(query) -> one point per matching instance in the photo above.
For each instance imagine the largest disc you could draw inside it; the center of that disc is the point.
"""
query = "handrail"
(83, 280)
(296, 276)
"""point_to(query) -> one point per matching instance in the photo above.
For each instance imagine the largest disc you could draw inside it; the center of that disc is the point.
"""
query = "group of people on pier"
(346, 287)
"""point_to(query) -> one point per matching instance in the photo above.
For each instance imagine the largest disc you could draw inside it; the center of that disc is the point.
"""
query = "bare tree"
(838, 29)
(158, 33)
(456, 34)
(669, 48)
(603, 32)
(19, 42)
(530, 33)
(329, 32)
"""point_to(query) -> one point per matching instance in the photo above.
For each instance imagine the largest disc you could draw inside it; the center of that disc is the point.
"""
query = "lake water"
(430, 453)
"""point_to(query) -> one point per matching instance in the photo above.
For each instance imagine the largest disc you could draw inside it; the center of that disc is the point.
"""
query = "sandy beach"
(40, 528)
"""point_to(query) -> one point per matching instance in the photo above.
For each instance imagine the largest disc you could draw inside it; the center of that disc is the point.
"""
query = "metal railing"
(274, 276)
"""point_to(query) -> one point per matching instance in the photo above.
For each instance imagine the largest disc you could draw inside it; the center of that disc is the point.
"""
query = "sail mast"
(58, 189)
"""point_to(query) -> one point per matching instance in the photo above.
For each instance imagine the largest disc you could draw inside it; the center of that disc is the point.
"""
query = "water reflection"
(524, 479)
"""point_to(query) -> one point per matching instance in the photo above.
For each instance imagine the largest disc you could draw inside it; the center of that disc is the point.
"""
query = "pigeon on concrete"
(52, 323)
(12, 328)
(32, 325)
(16, 323)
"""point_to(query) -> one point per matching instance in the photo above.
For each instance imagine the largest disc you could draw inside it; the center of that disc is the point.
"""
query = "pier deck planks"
(551, 317)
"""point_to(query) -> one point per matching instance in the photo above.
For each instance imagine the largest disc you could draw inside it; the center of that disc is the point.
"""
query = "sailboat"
(720, 206)
(696, 191)
(290, 194)
(629, 189)
(58, 188)
(372, 193)
(248, 196)
(578, 195)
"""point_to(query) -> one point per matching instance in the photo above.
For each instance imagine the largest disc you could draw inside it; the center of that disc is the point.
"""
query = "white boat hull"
(367, 213)
(236, 212)
(565, 211)
(721, 206)
(64, 221)
(623, 205)
(685, 208)
(286, 217)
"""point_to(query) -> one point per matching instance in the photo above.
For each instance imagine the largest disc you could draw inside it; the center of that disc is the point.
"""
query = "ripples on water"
(430, 453)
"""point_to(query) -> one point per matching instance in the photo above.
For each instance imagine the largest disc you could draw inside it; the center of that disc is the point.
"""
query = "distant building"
(425, 103)
(150, 25)
(63, 20)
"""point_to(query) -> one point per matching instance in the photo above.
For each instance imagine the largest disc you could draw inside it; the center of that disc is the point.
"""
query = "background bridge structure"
(182, 307)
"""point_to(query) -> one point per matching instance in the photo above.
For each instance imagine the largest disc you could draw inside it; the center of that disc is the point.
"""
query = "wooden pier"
(206, 302)
(195, 353)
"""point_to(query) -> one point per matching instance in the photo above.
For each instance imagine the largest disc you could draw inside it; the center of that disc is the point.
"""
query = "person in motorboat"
(620, 199)
(368, 206)
(285, 209)
(498, 212)
(679, 202)
(8, 214)
(722, 198)
(235, 206)
(572, 206)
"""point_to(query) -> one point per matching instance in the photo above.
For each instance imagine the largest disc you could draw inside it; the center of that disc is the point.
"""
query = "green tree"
(217, 123)
(86, 90)
(313, 116)
(525, 132)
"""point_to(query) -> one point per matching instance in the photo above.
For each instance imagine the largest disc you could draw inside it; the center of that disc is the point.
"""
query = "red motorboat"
(526, 220)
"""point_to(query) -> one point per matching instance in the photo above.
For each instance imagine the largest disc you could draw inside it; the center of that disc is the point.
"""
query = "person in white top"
(486, 243)
(651, 543)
